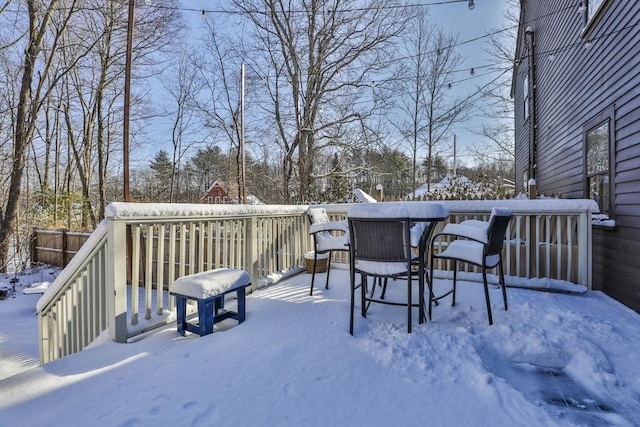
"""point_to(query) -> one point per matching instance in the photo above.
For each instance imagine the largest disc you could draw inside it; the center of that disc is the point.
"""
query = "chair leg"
(384, 287)
(363, 293)
(430, 284)
(486, 294)
(455, 277)
(409, 303)
(421, 279)
(373, 287)
(326, 286)
(352, 280)
(503, 285)
(313, 274)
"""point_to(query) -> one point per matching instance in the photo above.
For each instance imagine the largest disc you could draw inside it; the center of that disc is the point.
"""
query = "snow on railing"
(100, 290)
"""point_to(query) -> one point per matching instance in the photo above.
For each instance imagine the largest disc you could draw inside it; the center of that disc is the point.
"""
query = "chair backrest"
(498, 223)
(317, 215)
(380, 240)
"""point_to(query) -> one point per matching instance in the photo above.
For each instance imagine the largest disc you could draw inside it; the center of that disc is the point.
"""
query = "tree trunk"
(24, 131)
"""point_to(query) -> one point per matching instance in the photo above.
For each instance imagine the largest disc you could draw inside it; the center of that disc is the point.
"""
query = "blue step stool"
(208, 289)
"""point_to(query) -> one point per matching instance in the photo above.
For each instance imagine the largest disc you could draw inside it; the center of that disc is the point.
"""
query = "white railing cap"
(542, 205)
(117, 210)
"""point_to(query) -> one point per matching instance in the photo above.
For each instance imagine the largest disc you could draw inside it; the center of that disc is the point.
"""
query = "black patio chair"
(328, 237)
(421, 233)
(475, 242)
(380, 248)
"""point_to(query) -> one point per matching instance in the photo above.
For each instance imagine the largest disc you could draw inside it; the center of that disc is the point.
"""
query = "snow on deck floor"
(552, 359)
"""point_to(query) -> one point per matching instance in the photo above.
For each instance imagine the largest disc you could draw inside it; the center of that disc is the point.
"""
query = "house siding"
(578, 85)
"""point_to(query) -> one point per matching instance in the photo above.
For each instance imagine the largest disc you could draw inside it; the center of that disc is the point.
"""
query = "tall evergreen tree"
(162, 172)
(338, 185)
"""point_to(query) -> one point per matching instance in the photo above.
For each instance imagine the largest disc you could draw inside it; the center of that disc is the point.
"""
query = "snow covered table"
(208, 289)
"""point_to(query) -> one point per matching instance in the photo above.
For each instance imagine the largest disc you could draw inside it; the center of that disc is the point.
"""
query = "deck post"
(117, 280)
(585, 249)
(251, 252)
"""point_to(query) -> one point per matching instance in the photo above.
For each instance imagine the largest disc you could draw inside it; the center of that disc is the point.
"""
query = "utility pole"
(127, 102)
(125, 129)
(242, 166)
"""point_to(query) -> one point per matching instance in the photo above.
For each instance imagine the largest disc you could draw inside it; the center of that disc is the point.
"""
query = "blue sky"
(457, 19)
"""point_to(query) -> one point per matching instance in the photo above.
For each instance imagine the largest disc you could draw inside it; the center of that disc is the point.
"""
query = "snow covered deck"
(549, 245)
(551, 360)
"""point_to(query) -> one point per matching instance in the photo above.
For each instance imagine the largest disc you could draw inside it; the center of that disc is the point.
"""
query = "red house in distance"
(216, 194)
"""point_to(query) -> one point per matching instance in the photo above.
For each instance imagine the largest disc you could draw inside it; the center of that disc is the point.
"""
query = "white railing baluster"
(548, 244)
(558, 247)
(218, 244)
(183, 250)
(521, 240)
(135, 273)
(160, 271)
(210, 246)
(570, 260)
(172, 262)
(225, 243)
(507, 250)
(536, 245)
(201, 251)
(192, 248)
(148, 272)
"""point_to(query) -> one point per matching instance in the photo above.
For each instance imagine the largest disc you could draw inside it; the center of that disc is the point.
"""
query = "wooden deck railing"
(547, 238)
(104, 289)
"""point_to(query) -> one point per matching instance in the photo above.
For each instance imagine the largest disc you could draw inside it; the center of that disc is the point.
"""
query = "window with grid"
(597, 140)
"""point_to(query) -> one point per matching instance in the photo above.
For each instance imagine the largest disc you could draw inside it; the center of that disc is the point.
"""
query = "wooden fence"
(56, 247)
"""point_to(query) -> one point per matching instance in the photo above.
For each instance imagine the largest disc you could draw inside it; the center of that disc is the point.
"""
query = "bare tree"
(183, 90)
(414, 94)
(498, 104)
(219, 65)
(320, 59)
(56, 40)
(35, 86)
(441, 111)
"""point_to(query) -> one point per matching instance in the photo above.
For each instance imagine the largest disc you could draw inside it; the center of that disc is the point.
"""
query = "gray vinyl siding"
(578, 85)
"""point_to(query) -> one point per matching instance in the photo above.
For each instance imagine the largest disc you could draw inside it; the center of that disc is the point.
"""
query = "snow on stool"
(208, 289)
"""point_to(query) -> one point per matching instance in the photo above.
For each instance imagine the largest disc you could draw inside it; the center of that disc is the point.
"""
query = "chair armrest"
(329, 226)
(472, 232)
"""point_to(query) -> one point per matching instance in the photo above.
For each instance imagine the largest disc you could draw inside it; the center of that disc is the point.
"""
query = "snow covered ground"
(552, 359)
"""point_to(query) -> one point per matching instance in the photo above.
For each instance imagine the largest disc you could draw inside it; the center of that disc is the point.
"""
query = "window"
(592, 8)
(525, 90)
(593, 11)
(598, 143)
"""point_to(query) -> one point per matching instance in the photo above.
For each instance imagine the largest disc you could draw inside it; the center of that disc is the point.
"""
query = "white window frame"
(593, 12)
(606, 176)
